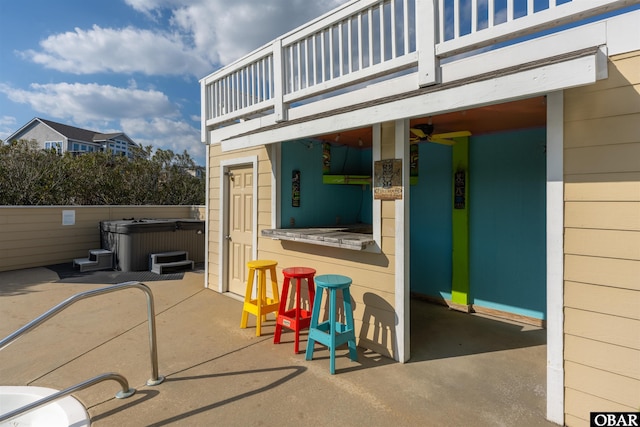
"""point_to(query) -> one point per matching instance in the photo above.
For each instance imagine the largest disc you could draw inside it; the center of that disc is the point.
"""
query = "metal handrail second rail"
(153, 347)
(124, 393)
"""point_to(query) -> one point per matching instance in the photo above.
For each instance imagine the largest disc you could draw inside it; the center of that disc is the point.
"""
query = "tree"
(32, 176)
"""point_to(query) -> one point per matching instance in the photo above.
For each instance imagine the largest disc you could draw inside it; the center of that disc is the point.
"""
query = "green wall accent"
(460, 225)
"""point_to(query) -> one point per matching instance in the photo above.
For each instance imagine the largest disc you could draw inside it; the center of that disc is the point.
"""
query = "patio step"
(99, 259)
(170, 262)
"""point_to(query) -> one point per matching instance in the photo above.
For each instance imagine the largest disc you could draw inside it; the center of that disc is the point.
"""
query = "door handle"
(227, 237)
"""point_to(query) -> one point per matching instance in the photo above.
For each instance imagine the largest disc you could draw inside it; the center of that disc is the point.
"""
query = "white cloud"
(145, 116)
(166, 133)
(84, 103)
(223, 31)
(203, 35)
(7, 121)
(127, 50)
(7, 126)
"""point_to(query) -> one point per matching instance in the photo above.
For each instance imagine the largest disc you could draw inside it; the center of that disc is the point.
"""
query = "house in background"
(65, 138)
(511, 133)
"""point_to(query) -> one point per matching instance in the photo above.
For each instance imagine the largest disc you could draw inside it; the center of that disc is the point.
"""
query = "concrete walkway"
(465, 370)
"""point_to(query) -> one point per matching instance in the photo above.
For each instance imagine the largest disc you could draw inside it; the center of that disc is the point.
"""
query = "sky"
(130, 66)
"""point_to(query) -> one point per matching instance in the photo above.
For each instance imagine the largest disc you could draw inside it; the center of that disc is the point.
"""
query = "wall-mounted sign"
(413, 159)
(326, 158)
(295, 189)
(68, 217)
(459, 188)
(387, 179)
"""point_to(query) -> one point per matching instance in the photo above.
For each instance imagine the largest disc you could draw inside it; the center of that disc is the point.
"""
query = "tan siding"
(624, 73)
(616, 101)
(388, 209)
(264, 219)
(604, 385)
(389, 246)
(264, 179)
(605, 328)
(619, 273)
(607, 357)
(602, 243)
(388, 227)
(608, 216)
(619, 302)
(598, 131)
(579, 405)
(603, 187)
(603, 159)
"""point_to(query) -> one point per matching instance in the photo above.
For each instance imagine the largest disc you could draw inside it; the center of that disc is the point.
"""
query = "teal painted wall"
(507, 184)
(321, 204)
(508, 222)
(430, 212)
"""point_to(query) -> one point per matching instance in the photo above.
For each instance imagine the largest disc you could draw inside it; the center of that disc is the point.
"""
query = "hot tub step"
(99, 259)
(170, 262)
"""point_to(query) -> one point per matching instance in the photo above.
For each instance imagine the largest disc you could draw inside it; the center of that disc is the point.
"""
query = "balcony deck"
(465, 369)
(371, 52)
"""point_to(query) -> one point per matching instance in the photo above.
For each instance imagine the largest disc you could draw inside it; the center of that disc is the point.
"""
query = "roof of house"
(72, 132)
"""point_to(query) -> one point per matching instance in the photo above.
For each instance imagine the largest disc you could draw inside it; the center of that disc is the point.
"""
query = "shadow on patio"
(464, 369)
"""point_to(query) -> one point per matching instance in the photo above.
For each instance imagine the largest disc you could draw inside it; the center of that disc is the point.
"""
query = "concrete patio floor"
(464, 369)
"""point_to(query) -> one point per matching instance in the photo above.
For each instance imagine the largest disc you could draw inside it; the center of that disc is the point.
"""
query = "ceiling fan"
(424, 133)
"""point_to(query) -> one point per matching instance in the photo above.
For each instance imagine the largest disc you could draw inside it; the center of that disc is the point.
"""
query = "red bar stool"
(261, 305)
(296, 318)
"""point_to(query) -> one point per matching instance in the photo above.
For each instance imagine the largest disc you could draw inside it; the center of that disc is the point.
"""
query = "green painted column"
(460, 220)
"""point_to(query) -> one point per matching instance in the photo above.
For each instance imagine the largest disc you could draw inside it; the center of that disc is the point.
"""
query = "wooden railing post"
(279, 77)
(426, 29)
(204, 111)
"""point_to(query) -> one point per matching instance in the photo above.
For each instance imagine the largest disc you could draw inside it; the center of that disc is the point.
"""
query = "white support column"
(555, 258)
(204, 113)
(207, 228)
(377, 203)
(426, 42)
(278, 82)
(275, 154)
(402, 232)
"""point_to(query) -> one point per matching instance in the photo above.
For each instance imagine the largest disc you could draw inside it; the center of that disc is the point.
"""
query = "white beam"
(402, 249)
(555, 258)
(537, 81)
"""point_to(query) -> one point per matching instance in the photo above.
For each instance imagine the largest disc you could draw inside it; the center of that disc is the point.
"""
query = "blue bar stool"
(331, 332)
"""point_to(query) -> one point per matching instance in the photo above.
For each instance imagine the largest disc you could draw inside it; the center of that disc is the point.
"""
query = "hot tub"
(61, 413)
(132, 241)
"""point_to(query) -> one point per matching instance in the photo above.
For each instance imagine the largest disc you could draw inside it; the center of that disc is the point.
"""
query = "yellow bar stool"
(261, 305)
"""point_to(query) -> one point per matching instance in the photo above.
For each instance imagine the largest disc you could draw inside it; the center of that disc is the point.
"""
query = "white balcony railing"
(365, 40)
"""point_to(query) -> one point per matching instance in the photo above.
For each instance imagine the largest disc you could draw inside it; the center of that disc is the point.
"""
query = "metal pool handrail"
(126, 392)
(153, 347)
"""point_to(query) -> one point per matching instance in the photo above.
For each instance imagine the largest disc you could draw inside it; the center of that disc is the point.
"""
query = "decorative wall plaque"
(459, 190)
(387, 179)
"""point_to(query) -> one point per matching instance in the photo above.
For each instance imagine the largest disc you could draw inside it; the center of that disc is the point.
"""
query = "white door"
(240, 228)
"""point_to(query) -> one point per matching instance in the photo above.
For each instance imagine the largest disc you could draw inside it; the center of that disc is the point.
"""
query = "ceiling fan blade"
(419, 133)
(442, 141)
(448, 135)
